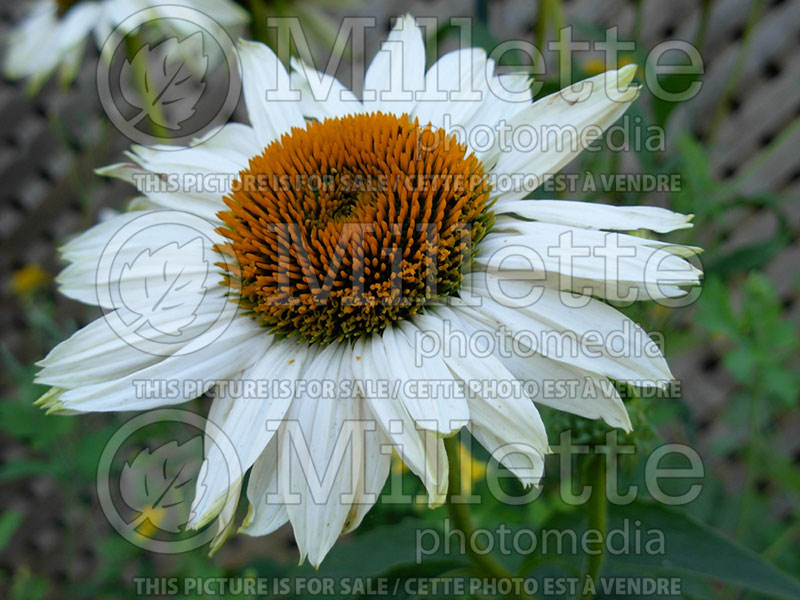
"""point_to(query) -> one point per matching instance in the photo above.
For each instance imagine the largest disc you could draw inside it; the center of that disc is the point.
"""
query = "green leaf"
(387, 551)
(10, 521)
(694, 548)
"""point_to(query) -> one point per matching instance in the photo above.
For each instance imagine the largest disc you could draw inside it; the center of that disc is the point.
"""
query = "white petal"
(598, 216)
(224, 12)
(97, 353)
(606, 264)
(455, 88)
(264, 517)
(232, 352)
(375, 469)
(511, 420)
(226, 517)
(322, 95)
(419, 449)
(193, 179)
(443, 415)
(220, 408)
(165, 194)
(507, 95)
(263, 73)
(595, 337)
(246, 423)
(558, 385)
(224, 150)
(76, 24)
(564, 123)
(30, 47)
(313, 486)
(510, 429)
(398, 70)
(162, 242)
(591, 397)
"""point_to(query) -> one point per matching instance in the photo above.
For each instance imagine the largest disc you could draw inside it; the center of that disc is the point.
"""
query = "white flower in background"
(53, 34)
(336, 281)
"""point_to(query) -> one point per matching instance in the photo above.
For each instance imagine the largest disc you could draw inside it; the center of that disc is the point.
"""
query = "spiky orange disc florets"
(340, 228)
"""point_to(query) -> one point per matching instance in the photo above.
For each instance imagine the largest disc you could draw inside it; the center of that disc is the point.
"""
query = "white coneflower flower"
(338, 279)
(53, 33)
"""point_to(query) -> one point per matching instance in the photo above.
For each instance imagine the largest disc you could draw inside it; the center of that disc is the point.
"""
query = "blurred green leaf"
(10, 520)
(693, 547)
(690, 548)
(388, 551)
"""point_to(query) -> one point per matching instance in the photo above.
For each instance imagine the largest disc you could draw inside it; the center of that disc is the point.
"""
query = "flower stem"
(597, 516)
(462, 520)
(259, 22)
(133, 44)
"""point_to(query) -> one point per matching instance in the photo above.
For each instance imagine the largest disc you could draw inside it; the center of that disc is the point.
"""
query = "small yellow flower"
(28, 280)
(595, 66)
(150, 519)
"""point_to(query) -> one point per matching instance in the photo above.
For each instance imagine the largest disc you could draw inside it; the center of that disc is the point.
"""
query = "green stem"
(541, 33)
(258, 25)
(638, 20)
(462, 519)
(556, 13)
(751, 467)
(133, 44)
(597, 516)
(702, 29)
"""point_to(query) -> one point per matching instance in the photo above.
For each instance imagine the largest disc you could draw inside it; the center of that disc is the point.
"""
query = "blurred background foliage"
(739, 539)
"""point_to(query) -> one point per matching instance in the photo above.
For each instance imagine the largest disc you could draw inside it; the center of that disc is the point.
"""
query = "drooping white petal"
(376, 462)
(247, 423)
(507, 421)
(595, 336)
(226, 517)
(555, 384)
(263, 74)
(161, 244)
(563, 124)
(409, 375)
(420, 449)
(232, 352)
(591, 396)
(598, 216)
(397, 72)
(317, 453)
(220, 408)
(265, 514)
(588, 261)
